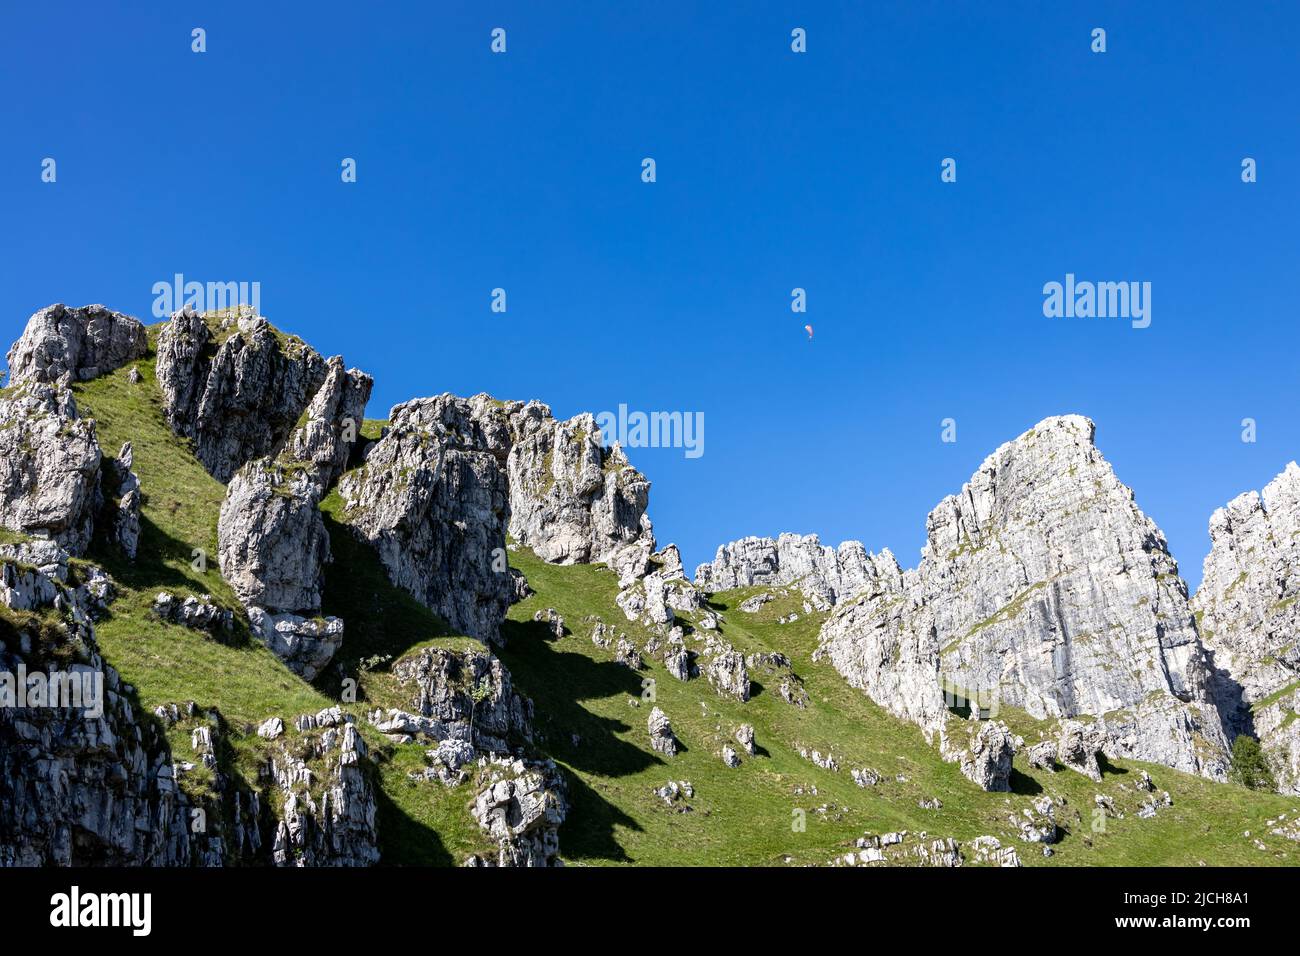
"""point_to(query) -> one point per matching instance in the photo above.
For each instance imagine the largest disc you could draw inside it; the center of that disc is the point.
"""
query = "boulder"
(661, 733)
(1077, 747)
(726, 672)
(984, 754)
(745, 737)
(306, 645)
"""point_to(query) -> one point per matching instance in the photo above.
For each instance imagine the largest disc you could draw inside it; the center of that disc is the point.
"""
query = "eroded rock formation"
(1042, 585)
(63, 345)
(1248, 606)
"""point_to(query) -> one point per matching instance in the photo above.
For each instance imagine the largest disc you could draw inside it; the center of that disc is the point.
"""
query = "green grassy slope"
(744, 816)
(738, 816)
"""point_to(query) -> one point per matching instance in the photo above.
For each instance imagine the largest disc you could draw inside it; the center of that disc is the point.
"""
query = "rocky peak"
(239, 389)
(324, 441)
(1248, 605)
(1043, 585)
(63, 344)
(573, 500)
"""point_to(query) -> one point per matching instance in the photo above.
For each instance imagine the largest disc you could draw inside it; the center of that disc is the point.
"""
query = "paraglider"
(808, 329)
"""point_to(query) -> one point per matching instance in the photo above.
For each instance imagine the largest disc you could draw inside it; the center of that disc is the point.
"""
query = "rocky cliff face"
(324, 442)
(1043, 585)
(77, 788)
(432, 498)
(240, 391)
(272, 539)
(1248, 606)
(464, 703)
(572, 500)
(826, 575)
(70, 345)
(49, 466)
(272, 548)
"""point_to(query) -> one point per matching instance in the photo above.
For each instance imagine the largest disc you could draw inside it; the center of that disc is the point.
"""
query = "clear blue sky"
(775, 170)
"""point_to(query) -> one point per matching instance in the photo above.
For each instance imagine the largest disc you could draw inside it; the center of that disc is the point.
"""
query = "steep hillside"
(794, 800)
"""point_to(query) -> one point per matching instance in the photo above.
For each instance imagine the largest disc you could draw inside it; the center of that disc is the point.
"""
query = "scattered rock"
(1076, 749)
(553, 621)
(745, 737)
(661, 734)
(199, 614)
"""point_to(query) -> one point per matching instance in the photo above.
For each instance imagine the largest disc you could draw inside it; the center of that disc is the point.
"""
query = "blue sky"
(775, 171)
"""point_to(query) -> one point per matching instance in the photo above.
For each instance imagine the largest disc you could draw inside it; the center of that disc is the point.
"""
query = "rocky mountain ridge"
(1037, 578)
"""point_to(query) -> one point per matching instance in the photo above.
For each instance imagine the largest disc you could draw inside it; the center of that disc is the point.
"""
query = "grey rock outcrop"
(572, 500)
(324, 442)
(1248, 606)
(328, 813)
(655, 599)
(1043, 584)
(63, 344)
(81, 786)
(272, 543)
(239, 391)
(522, 810)
(726, 671)
(120, 500)
(827, 575)
(460, 695)
(662, 739)
(305, 644)
(272, 548)
(49, 466)
(196, 613)
(1077, 747)
(432, 498)
(983, 752)
(745, 737)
